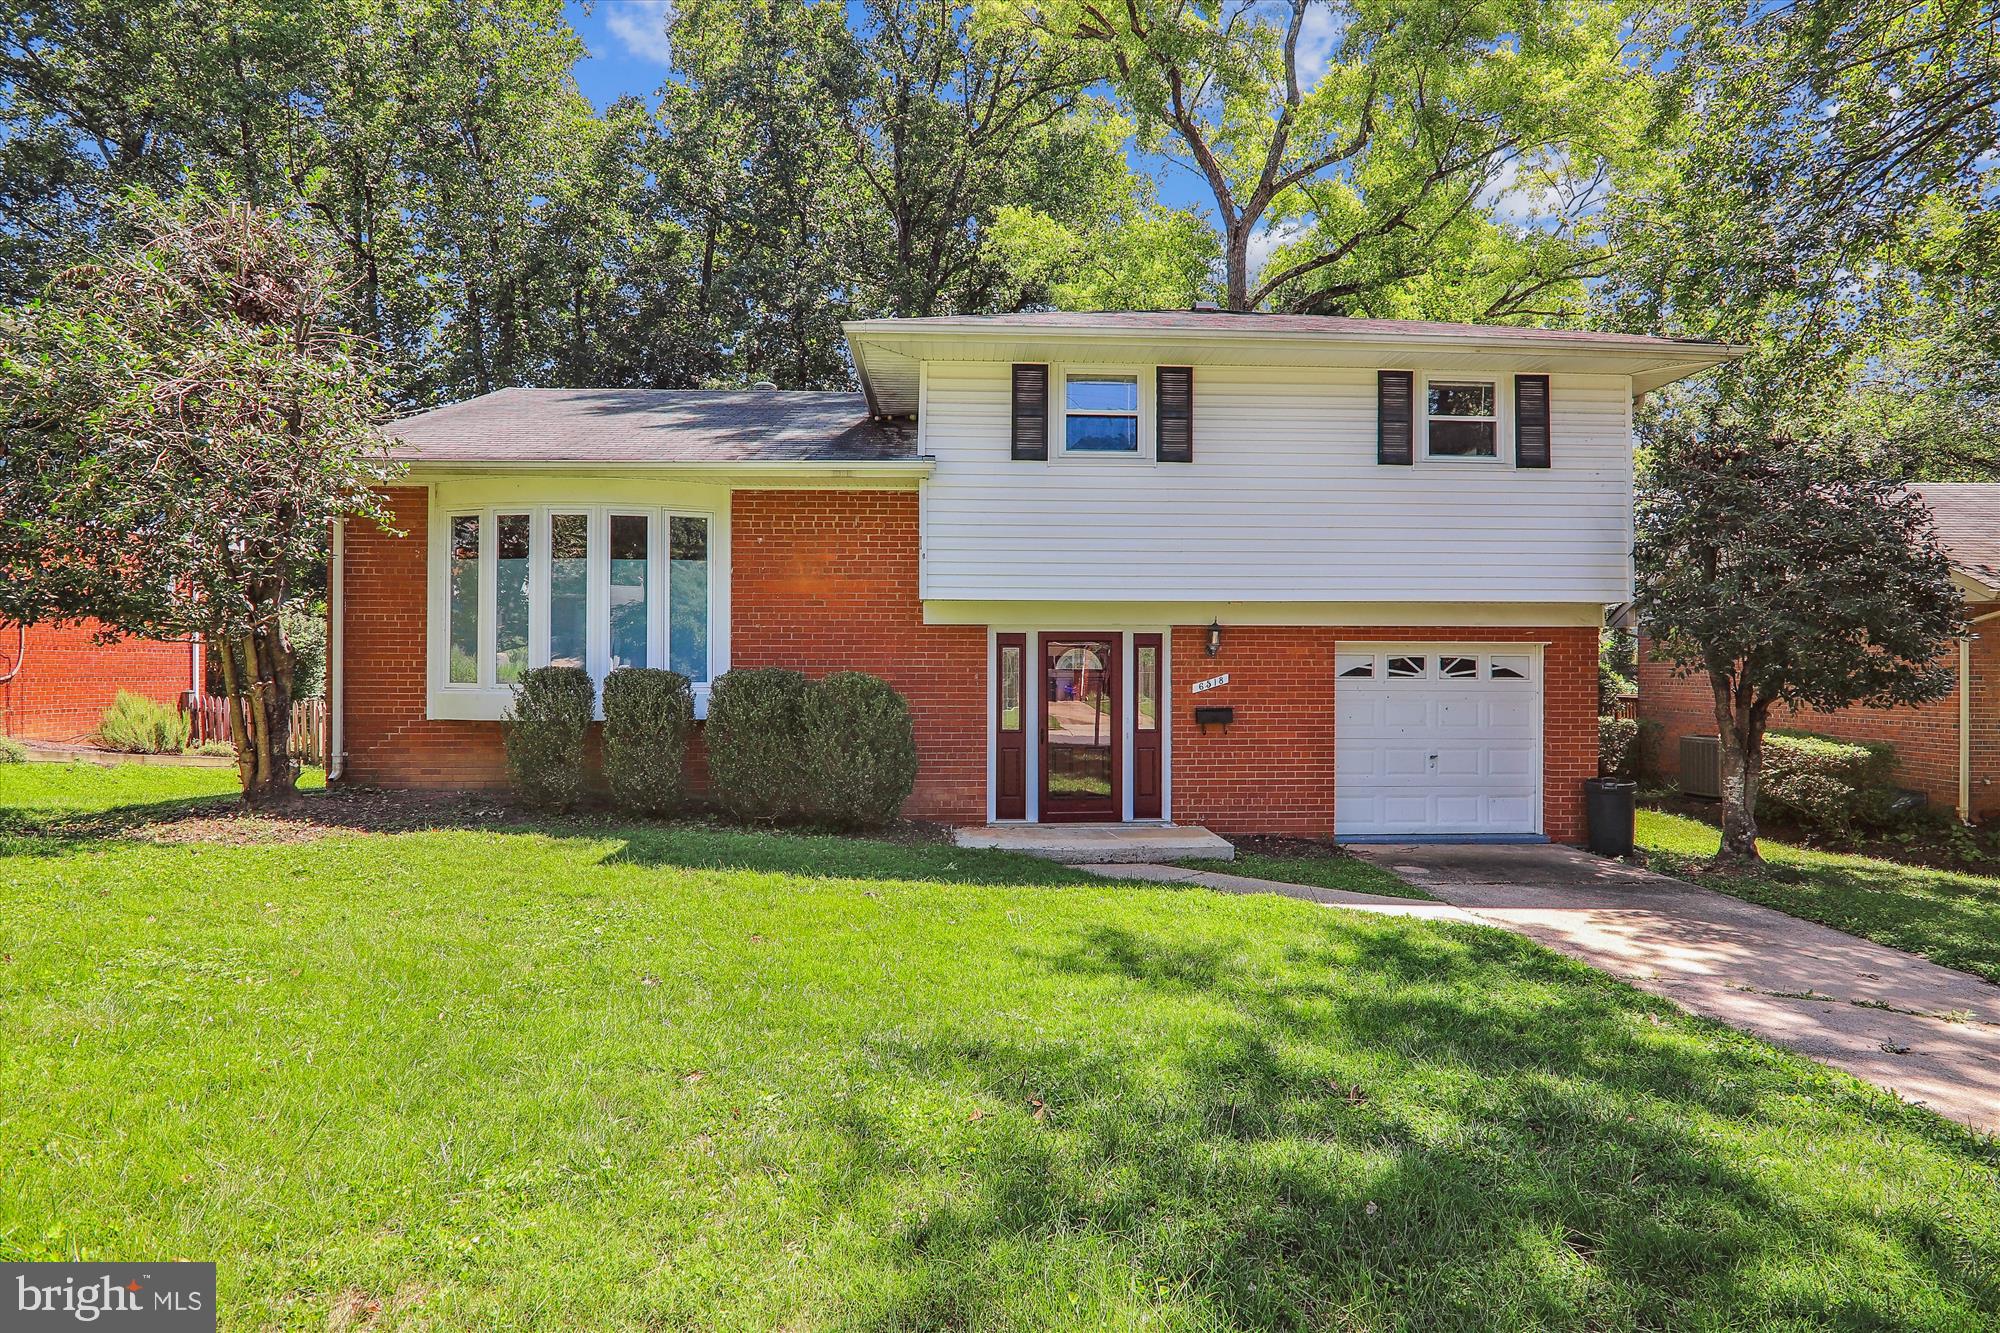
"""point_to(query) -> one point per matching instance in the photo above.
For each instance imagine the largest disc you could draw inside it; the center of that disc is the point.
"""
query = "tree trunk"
(1236, 261)
(1740, 725)
(257, 671)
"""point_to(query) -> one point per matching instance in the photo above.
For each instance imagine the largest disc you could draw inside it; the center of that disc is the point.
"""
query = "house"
(57, 680)
(1949, 750)
(1289, 574)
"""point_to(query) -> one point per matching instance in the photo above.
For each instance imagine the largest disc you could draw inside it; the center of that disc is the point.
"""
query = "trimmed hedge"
(544, 737)
(756, 743)
(137, 725)
(1825, 784)
(839, 752)
(860, 750)
(1617, 747)
(648, 714)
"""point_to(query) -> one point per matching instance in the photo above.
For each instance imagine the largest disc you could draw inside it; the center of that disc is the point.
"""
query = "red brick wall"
(1925, 738)
(1272, 770)
(66, 679)
(827, 581)
(820, 581)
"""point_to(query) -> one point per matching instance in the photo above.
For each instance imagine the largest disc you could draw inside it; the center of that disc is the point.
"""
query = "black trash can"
(1610, 809)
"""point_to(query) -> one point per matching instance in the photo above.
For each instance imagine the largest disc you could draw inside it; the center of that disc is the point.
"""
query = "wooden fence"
(1627, 707)
(208, 720)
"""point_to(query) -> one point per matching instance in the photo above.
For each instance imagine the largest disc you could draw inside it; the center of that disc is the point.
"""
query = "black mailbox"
(1214, 714)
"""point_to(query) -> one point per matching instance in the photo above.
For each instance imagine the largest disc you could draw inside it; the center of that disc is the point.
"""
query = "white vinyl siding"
(1284, 502)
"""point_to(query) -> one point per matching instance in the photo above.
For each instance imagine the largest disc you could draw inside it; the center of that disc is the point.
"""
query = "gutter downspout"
(1965, 718)
(336, 753)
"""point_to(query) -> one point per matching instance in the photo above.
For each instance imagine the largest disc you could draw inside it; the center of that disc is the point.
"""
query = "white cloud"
(642, 26)
(1318, 35)
(1262, 243)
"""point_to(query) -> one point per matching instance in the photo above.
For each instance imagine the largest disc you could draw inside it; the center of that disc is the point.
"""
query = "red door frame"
(1054, 811)
(1147, 785)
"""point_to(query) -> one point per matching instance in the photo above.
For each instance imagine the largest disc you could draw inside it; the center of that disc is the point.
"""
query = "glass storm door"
(1081, 738)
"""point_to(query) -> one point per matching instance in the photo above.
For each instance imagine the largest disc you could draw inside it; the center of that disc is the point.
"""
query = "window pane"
(1404, 668)
(629, 612)
(1010, 688)
(687, 597)
(1102, 435)
(1357, 666)
(1103, 393)
(1148, 691)
(510, 632)
(464, 582)
(1458, 668)
(1508, 668)
(1461, 400)
(569, 588)
(1462, 439)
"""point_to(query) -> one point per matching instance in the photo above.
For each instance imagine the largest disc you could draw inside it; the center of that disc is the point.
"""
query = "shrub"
(12, 751)
(756, 750)
(545, 729)
(137, 725)
(1617, 748)
(1825, 784)
(216, 749)
(647, 716)
(860, 750)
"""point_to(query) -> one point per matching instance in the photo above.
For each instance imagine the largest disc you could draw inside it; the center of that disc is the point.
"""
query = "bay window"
(600, 587)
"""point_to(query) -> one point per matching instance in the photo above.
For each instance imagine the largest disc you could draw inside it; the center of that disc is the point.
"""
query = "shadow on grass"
(691, 844)
(1427, 1128)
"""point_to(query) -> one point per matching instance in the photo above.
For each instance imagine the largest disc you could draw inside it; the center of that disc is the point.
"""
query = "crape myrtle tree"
(1785, 572)
(181, 423)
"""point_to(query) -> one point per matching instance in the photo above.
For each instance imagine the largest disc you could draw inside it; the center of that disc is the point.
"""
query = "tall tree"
(1783, 571)
(181, 423)
(1362, 141)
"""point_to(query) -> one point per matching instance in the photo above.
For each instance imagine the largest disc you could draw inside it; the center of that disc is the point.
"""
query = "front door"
(1081, 736)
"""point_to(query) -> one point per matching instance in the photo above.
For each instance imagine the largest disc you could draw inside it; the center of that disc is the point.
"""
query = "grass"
(1949, 917)
(599, 1077)
(1350, 874)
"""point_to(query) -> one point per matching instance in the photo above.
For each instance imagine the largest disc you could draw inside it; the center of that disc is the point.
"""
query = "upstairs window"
(1461, 419)
(1100, 414)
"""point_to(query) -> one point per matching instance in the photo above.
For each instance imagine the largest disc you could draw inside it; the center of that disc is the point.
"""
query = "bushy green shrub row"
(135, 724)
(1825, 784)
(839, 752)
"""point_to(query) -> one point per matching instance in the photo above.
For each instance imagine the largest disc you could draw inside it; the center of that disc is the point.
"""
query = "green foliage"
(546, 724)
(755, 736)
(1618, 753)
(648, 714)
(860, 750)
(216, 750)
(12, 751)
(1396, 164)
(137, 725)
(1824, 784)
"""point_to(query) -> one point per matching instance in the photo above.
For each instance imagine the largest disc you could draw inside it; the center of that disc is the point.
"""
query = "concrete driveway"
(1927, 1033)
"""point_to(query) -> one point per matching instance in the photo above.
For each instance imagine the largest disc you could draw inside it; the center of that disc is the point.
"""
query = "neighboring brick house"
(1264, 573)
(1949, 750)
(57, 680)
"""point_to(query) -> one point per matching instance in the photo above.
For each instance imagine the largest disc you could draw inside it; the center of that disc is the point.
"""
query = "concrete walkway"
(1209, 879)
(1927, 1033)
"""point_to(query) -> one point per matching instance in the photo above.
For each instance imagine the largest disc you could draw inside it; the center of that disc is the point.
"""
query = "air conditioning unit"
(1701, 766)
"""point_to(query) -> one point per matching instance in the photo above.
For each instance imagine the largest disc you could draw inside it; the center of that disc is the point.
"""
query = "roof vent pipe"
(764, 384)
(1207, 307)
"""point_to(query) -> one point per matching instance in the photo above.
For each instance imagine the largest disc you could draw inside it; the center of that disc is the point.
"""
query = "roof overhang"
(886, 472)
(888, 352)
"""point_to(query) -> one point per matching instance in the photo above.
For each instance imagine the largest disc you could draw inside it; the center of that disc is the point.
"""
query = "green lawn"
(1947, 916)
(1350, 874)
(600, 1077)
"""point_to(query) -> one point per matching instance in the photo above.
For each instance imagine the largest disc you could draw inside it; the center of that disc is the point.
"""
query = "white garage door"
(1437, 741)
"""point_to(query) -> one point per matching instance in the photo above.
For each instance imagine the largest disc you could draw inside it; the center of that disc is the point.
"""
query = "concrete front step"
(1100, 844)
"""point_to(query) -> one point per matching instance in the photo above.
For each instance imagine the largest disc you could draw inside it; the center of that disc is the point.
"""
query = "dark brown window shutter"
(1031, 413)
(1394, 427)
(1174, 413)
(1531, 421)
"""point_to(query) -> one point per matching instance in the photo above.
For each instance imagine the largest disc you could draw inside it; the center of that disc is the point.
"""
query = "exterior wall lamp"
(1214, 637)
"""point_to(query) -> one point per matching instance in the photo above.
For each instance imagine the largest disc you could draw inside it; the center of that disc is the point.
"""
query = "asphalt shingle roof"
(1968, 524)
(651, 426)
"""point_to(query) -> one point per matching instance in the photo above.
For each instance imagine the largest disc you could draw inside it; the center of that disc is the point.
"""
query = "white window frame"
(487, 699)
(1143, 378)
(1503, 403)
